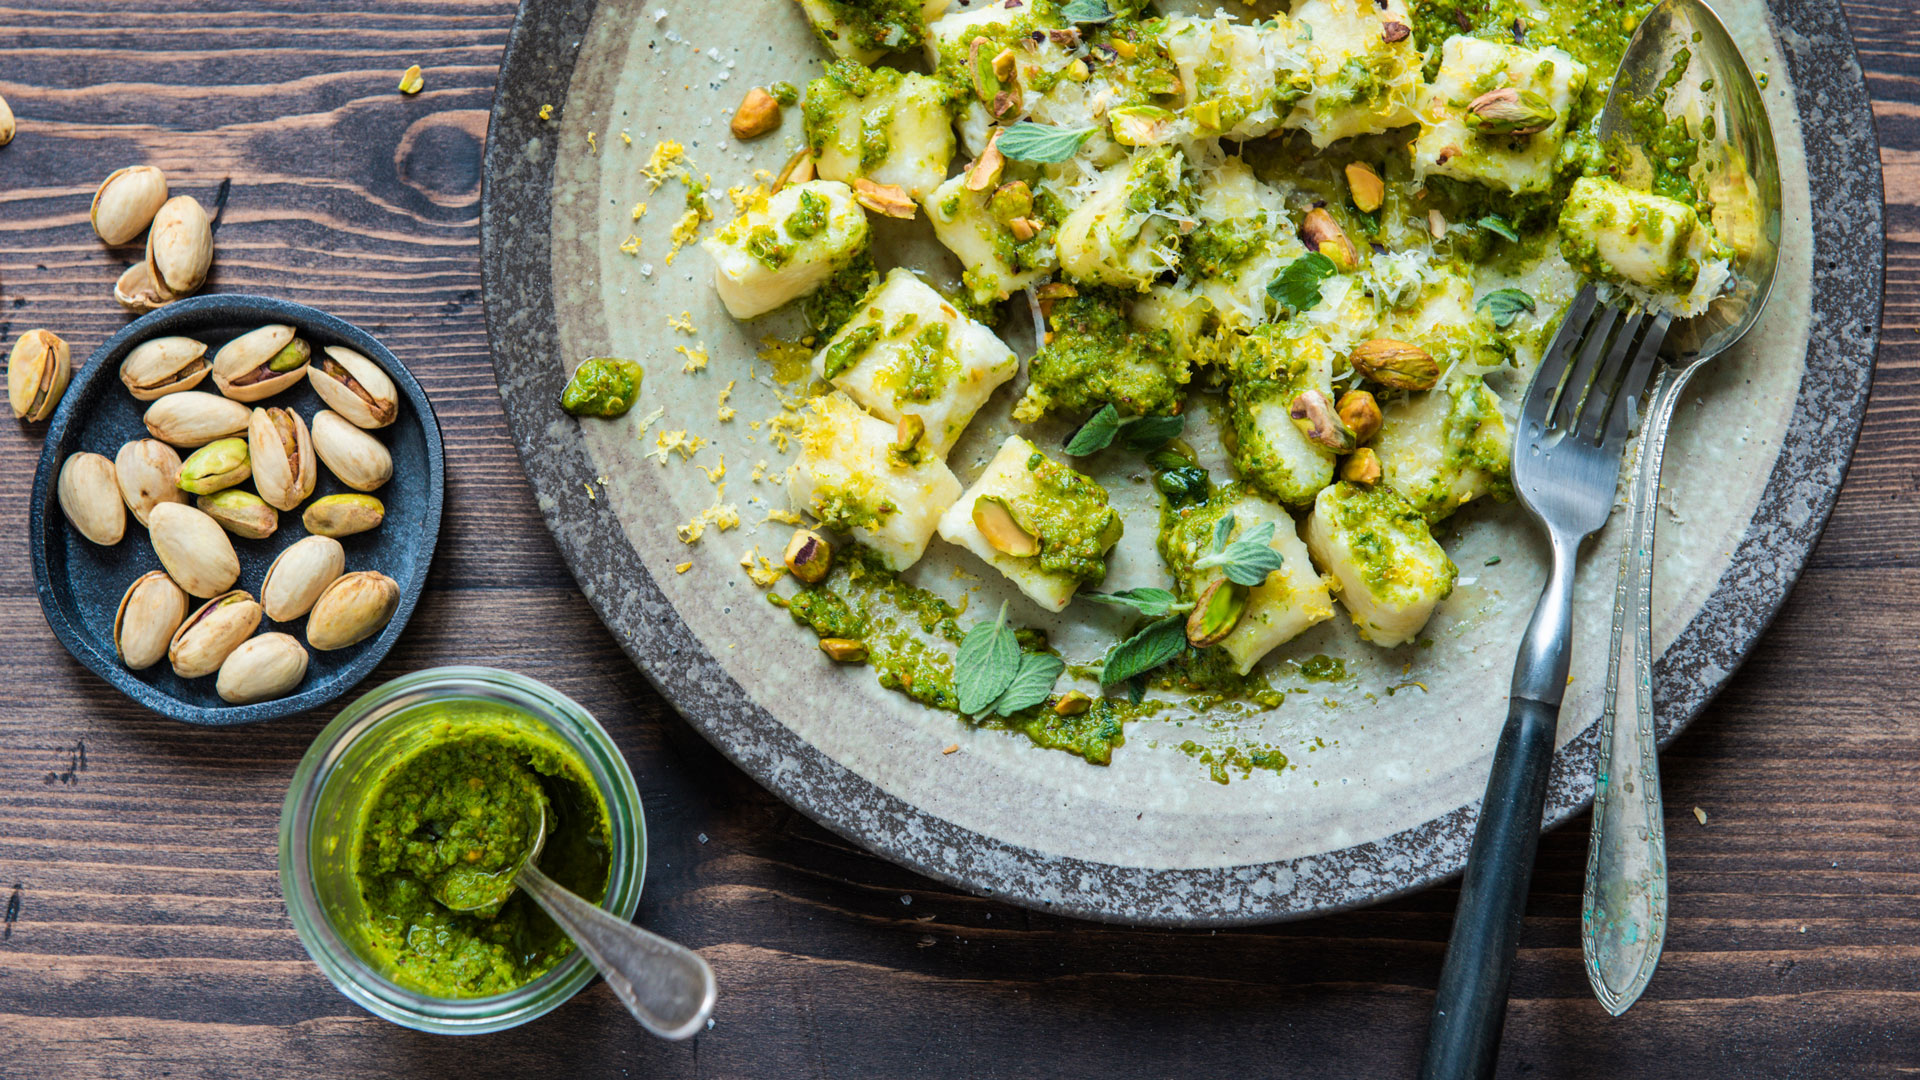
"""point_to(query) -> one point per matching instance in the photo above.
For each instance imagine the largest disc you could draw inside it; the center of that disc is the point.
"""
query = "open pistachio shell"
(298, 577)
(241, 513)
(149, 473)
(355, 387)
(195, 418)
(204, 641)
(284, 465)
(180, 245)
(352, 609)
(163, 366)
(138, 292)
(261, 363)
(261, 669)
(126, 202)
(90, 498)
(150, 612)
(37, 372)
(357, 458)
(194, 549)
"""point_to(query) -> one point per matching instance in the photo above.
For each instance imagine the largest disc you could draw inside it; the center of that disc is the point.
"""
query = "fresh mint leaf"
(1032, 684)
(1147, 600)
(988, 661)
(1498, 226)
(1248, 560)
(1096, 434)
(1156, 643)
(1221, 530)
(1028, 141)
(1152, 432)
(1297, 288)
(1087, 11)
(1505, 305)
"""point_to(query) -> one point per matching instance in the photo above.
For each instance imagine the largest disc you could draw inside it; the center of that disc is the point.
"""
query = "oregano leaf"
(989, 659)
(1044, 143)
(1032, 684)
(1096, 434)
(1157, 643)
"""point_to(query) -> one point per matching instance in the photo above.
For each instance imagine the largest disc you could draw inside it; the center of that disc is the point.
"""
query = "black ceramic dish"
(81, 583)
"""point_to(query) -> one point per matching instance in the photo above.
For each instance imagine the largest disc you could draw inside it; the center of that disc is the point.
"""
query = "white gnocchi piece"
(785, 246)
(1388, 569)
(852, 31)
(996, 262)
(1125, 233)
(1083, 520)
(849, 478)
(1366, 72)
(881, 124)
(1649, 243)
(1239, 79)
(1445, 447)
(1291, 600)
(1270, 369)
(1450, 145)
(907, 352)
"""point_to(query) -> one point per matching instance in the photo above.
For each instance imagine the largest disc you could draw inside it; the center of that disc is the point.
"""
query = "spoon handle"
(1623, 919)
(667, 987)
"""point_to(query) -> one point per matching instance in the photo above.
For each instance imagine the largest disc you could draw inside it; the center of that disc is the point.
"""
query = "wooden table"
(144, 934)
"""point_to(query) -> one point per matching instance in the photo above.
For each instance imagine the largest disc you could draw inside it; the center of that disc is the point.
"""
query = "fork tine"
(1593, 415)
(1578, 383)
(1553, 364)
(1627, 401)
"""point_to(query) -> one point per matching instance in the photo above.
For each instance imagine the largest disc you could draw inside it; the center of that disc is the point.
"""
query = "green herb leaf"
(1087, 11)
(1032, 684)
(1152, 432)
(1298, 286)
(1096, 434)
(1505, 305)
(1156, 643)
(1168, 459)
(1148, 601)
(1498, 226)
(1248, 560)
(989, 659)
(1028, 141)
(1221, 530)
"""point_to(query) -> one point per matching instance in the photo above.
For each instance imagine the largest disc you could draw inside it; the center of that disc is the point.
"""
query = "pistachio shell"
(216, 466)
(241, 513)
(260, 363)
(149, 474)
(355, 387)
(261, 669)
(210, 634)
(138, 292)
(90, 497)
(195, 418)
(126, 202)
(343, 515)
(284, 465)
(180, 245)
(37, 374)
(995, 520)
(298, 577)
(150, 612)
(164, 366)
(354, 456)
(194, 549)
(6, 122)
(352, 609)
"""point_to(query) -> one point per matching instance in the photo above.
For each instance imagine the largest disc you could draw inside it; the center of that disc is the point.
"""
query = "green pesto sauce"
(767, 249)
(469, 797)
(843, 354)
(1223, 761)
(873, 24)
(1321, 668)
(604, 387)
(1216, 247)
(834, 304)
(925, 368)
(837, 99)
(1070, 515)
(1671, 149)
(809, 219)
(1097, 356)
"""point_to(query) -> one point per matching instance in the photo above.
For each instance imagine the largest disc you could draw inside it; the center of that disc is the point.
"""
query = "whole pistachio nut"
(164, 366)
(352, 609)
(149, 474)
(284, 465)
(194, 549)
(6, 122)
(1317, 419)
(241, 513)
(126, 202)
(90, 497)
(210, 634)
(993, 516)
(1395, 364)
(138, 292)
(37, 374)
(1216, 614)
(216, 466)
(150, 612)
(354, 456)
(195, 418)
(180, 245)
(343, 515)
(355, 387)
(261, 669)
(298, 577)
(261, 363)
(809, 556)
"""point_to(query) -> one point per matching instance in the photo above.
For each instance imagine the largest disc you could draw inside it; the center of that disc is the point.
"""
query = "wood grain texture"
(144, 933)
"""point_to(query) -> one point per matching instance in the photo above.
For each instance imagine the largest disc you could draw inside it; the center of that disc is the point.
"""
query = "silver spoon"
(667, 987)
(1624, 916)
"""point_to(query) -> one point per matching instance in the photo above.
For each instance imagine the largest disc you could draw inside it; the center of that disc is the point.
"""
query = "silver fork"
(1582, 403)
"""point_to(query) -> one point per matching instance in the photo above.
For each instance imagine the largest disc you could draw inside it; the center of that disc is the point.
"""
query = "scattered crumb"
(546, 112)
(666, 162)
(411, 81)
(785, 517)
(782, 427)
(682, 322)
(766, 572)
(716, 473)
(1700, 815)
(683, 567)
(696, 357)
(952, 749)
(628, 139)
(593, 146)
(672, 442)
(647, 421)
(631, 245)
(722, 516)
(590, 495)
(639, 210)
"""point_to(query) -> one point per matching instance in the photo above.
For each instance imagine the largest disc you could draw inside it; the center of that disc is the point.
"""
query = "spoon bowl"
(465, 888)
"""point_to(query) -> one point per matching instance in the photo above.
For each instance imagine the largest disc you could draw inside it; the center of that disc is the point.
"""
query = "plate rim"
(1849, 263)
(43, 515)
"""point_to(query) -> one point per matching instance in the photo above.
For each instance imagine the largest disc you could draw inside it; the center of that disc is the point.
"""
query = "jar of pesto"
(449, 766)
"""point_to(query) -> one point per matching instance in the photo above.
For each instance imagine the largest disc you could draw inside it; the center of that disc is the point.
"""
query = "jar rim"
(349, 972)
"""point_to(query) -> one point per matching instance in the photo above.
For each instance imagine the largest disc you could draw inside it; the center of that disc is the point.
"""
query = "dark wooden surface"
(144, 934)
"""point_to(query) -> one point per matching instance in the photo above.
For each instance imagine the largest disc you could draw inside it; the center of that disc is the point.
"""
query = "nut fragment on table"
(194, 549)
(261, 669)
(164, 365)
(354, 456)
(149, 473)
(195, 418)
(284, 466)
(809, 556)
(138, 292)
(342, 515)
(150, 612)
(261, 363)
(90, 498)
(301, 573)
(216, 466)
(204, 641)
(126, 202)
(241, 513)
(352, 609)
(758, 114)
(180, 245)
(355, 387)
(37, 372)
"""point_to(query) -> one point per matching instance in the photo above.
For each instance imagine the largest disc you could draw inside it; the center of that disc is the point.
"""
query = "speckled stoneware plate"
(1384, 787)
(81, 583)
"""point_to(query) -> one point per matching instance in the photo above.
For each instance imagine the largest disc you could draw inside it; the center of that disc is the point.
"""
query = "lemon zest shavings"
(766, 573)
(722, 516)
(683, 567)
(679, 442)
(696, 357)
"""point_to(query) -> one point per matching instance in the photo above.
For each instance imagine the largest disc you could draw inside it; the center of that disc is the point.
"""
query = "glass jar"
(333, 782)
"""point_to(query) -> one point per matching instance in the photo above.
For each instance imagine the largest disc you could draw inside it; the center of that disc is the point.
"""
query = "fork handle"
(1470, 1005)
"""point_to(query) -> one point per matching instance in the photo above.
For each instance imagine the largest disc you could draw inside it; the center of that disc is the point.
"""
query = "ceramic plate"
(1384, 786)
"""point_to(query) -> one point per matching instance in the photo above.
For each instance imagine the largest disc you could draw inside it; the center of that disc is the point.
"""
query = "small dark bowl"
(81, 583)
